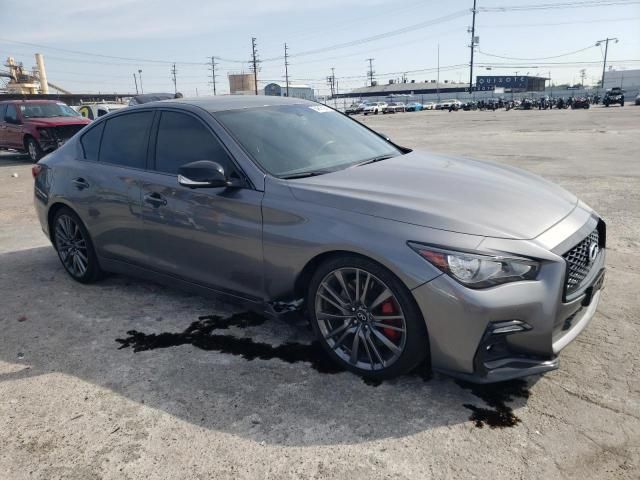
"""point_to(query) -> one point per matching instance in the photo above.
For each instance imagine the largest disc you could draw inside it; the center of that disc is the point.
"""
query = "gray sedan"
(398, 256)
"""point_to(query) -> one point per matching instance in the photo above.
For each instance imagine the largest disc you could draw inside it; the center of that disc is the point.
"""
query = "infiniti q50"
(398, 256)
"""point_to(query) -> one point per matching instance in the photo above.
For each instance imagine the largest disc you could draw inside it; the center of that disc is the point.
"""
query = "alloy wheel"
(360, 319)
(71, 246)
(32, 150)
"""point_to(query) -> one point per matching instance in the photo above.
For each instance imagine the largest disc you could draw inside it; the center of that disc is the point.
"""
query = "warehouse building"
(295, 91)
(626, 79)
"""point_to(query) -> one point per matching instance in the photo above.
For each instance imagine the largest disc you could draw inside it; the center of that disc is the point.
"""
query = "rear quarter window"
(125, 139)
(90, 142)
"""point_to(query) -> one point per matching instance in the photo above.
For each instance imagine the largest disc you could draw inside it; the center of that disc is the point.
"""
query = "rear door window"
(90, 142)
(125, 139)
(12, 114)
(3, 109)
(183, 139)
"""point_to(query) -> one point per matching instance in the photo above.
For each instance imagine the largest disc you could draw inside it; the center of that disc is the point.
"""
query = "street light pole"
(140, 75)
(606, 50)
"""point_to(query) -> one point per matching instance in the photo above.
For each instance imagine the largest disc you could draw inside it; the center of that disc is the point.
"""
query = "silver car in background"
(398, 256)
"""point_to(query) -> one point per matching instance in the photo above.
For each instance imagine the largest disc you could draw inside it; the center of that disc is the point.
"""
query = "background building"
(242, 84)
(295, 91)
(626, 79)
(510, 83)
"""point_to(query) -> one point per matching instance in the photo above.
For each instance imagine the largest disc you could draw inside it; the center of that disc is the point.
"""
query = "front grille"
(578, 264)
(65, 132)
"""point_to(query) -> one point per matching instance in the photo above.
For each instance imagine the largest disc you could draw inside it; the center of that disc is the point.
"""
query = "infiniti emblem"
(593, 252)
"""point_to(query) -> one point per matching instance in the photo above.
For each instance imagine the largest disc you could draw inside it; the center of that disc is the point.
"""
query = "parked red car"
(37, 126)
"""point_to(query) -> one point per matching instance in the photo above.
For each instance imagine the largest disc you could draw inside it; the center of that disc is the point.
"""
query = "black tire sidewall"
(37, 148)
(94, 272)
(417, 341)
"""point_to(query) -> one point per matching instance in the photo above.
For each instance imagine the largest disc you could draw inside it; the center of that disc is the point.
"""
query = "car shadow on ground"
(11, 158)
(218, 367)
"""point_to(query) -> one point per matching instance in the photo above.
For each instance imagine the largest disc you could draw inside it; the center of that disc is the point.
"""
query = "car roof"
(234, 102)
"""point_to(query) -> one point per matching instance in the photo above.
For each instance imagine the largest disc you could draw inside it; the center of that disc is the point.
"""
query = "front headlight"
(477, 270)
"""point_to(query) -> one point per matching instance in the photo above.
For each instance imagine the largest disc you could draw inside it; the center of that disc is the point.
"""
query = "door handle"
(155, 199)
(80, 183)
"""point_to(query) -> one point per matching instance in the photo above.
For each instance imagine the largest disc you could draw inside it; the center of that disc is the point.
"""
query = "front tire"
(33, 149)
(365, 318)
(75, 249)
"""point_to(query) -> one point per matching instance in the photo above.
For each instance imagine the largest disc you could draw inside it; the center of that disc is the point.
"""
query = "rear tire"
(74, 246)
(392, 335)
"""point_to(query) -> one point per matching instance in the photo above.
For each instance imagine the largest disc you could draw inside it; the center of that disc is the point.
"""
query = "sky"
(79, 40)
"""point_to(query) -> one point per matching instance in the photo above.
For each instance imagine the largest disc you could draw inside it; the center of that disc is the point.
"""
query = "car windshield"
(303, 139)
(47, 110)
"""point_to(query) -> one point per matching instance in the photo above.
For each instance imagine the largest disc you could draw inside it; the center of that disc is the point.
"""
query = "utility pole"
(213, 73)
(254, 63)
(173, 73)
(331, 81)
(136, 82)
(606, 50)
(438, 76)
(473, 44)
(550, 85)
(140, 78)
(286, 66)
(370, 72)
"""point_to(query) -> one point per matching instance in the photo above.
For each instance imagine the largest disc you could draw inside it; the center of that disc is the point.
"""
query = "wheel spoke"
(366, 348)
(382, 318)
(354, 347)
(324, 297)
(363, 295)
(337, 330)
(341, 339)
(332, 316)
(380, 298)
(334, 294)
(390, 327)
(343, 284)
(357, 285)
(375, 349)
(386, 342)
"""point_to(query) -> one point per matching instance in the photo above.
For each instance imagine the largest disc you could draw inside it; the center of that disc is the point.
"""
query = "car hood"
(57, 121)
(454, 194)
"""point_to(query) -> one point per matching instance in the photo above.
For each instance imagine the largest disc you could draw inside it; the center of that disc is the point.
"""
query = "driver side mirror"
(203, 174)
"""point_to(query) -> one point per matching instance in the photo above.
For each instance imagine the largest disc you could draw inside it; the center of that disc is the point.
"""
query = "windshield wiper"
(375, 159)
(313, 173)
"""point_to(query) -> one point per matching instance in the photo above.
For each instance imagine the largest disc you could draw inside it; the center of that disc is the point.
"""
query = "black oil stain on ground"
(495, 395)
(201, 334)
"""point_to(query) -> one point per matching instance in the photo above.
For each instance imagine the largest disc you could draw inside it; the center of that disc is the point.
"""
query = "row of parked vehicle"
(614, 96)
(374, 108)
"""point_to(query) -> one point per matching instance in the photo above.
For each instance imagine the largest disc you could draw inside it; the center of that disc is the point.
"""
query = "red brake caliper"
(389, 308)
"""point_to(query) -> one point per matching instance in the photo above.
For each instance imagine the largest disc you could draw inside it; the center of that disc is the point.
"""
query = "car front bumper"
(511, 330)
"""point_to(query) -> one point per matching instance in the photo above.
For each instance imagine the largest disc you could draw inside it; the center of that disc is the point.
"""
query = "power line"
(559, 5)
(78, 52)
(379, 36)
(539, 58)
